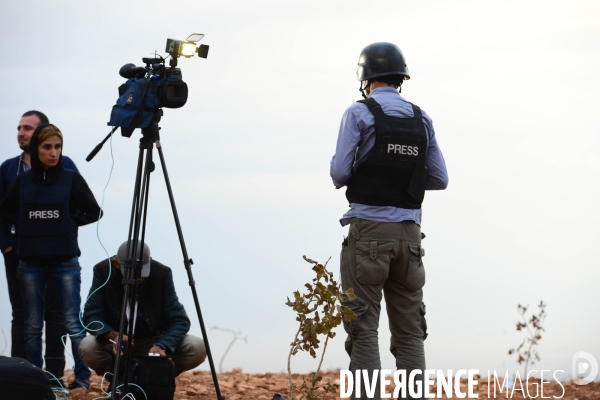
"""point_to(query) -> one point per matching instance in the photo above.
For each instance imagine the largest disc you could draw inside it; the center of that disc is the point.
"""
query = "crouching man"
(161, 323)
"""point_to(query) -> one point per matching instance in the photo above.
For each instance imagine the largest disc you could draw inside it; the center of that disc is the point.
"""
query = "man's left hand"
(157, 350)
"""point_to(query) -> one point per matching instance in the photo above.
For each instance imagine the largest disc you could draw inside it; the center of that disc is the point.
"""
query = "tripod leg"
(131, 271)
(188, 262)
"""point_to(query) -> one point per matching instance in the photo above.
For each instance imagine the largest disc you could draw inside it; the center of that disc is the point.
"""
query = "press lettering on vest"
(44, 214)
(403, 149)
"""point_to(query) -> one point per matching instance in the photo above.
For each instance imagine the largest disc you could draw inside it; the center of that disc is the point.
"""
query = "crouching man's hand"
(157, 350)
(112, 337)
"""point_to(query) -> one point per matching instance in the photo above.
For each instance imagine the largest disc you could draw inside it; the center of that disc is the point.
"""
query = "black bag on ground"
(154, 375)
(20, 379)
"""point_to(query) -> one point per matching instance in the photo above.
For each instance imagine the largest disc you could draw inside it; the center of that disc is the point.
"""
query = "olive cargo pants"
(384, 257)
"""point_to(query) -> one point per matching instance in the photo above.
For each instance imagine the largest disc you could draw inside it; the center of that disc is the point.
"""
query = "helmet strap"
(362, 89)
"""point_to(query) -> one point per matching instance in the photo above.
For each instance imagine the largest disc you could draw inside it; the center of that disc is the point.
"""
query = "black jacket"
(9, 170)
(159, 311)
(83, 208)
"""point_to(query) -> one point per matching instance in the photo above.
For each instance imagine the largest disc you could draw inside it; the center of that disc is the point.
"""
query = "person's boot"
(79, 387)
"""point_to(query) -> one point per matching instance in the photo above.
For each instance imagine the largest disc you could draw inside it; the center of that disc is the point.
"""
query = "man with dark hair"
(55, 329)
(387, 155)
(41, 116)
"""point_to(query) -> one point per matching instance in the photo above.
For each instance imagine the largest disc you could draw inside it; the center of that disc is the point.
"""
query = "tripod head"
(152, 130)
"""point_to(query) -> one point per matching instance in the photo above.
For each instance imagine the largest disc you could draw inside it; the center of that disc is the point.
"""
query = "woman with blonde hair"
(47, 204)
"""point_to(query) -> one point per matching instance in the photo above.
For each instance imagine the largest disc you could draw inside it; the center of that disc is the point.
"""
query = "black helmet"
(381, 59)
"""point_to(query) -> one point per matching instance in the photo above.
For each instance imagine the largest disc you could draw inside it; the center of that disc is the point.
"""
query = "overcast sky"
(514, 93)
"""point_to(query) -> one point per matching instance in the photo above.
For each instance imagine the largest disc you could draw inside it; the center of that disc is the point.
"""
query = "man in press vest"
(387, 155)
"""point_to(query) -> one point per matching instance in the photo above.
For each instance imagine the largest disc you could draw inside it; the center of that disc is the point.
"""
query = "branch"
(526, 324)
(289, 368)
(322, 355)
(235, 337)
(309, 260)
(224, 354)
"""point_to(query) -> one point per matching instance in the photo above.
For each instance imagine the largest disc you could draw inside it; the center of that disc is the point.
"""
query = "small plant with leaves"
(318, 311)
(532, 327)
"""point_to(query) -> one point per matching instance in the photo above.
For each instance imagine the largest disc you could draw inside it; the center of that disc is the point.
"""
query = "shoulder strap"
(374, 106)
(418, 115)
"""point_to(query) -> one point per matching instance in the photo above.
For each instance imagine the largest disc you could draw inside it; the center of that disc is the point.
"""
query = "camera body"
(171, 90)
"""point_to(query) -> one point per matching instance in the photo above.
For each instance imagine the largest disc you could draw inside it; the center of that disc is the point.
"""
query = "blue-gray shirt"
(357, 138)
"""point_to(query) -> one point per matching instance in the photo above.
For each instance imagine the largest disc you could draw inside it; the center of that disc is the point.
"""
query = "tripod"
(132, 268)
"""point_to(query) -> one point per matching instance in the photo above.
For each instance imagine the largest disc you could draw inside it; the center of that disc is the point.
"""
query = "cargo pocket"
(372, 262)
(415, 276)
(358, 307)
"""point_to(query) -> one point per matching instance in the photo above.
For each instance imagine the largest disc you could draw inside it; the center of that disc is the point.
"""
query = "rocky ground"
(236, 385)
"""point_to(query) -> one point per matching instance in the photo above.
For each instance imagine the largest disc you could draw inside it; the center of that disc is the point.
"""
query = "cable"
(112, 165)
(128, 395)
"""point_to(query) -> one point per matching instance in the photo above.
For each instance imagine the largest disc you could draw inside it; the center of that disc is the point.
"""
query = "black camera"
(154, 86)
(165, 83)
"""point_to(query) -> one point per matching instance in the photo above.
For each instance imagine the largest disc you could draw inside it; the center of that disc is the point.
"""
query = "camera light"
(187, 49)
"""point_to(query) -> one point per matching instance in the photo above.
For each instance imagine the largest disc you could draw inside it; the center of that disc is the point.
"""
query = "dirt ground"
(236, 385)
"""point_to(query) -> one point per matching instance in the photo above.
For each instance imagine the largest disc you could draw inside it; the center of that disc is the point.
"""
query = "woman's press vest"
(45, 227)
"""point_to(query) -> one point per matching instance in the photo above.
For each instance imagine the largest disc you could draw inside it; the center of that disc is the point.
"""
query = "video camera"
(153, 86)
